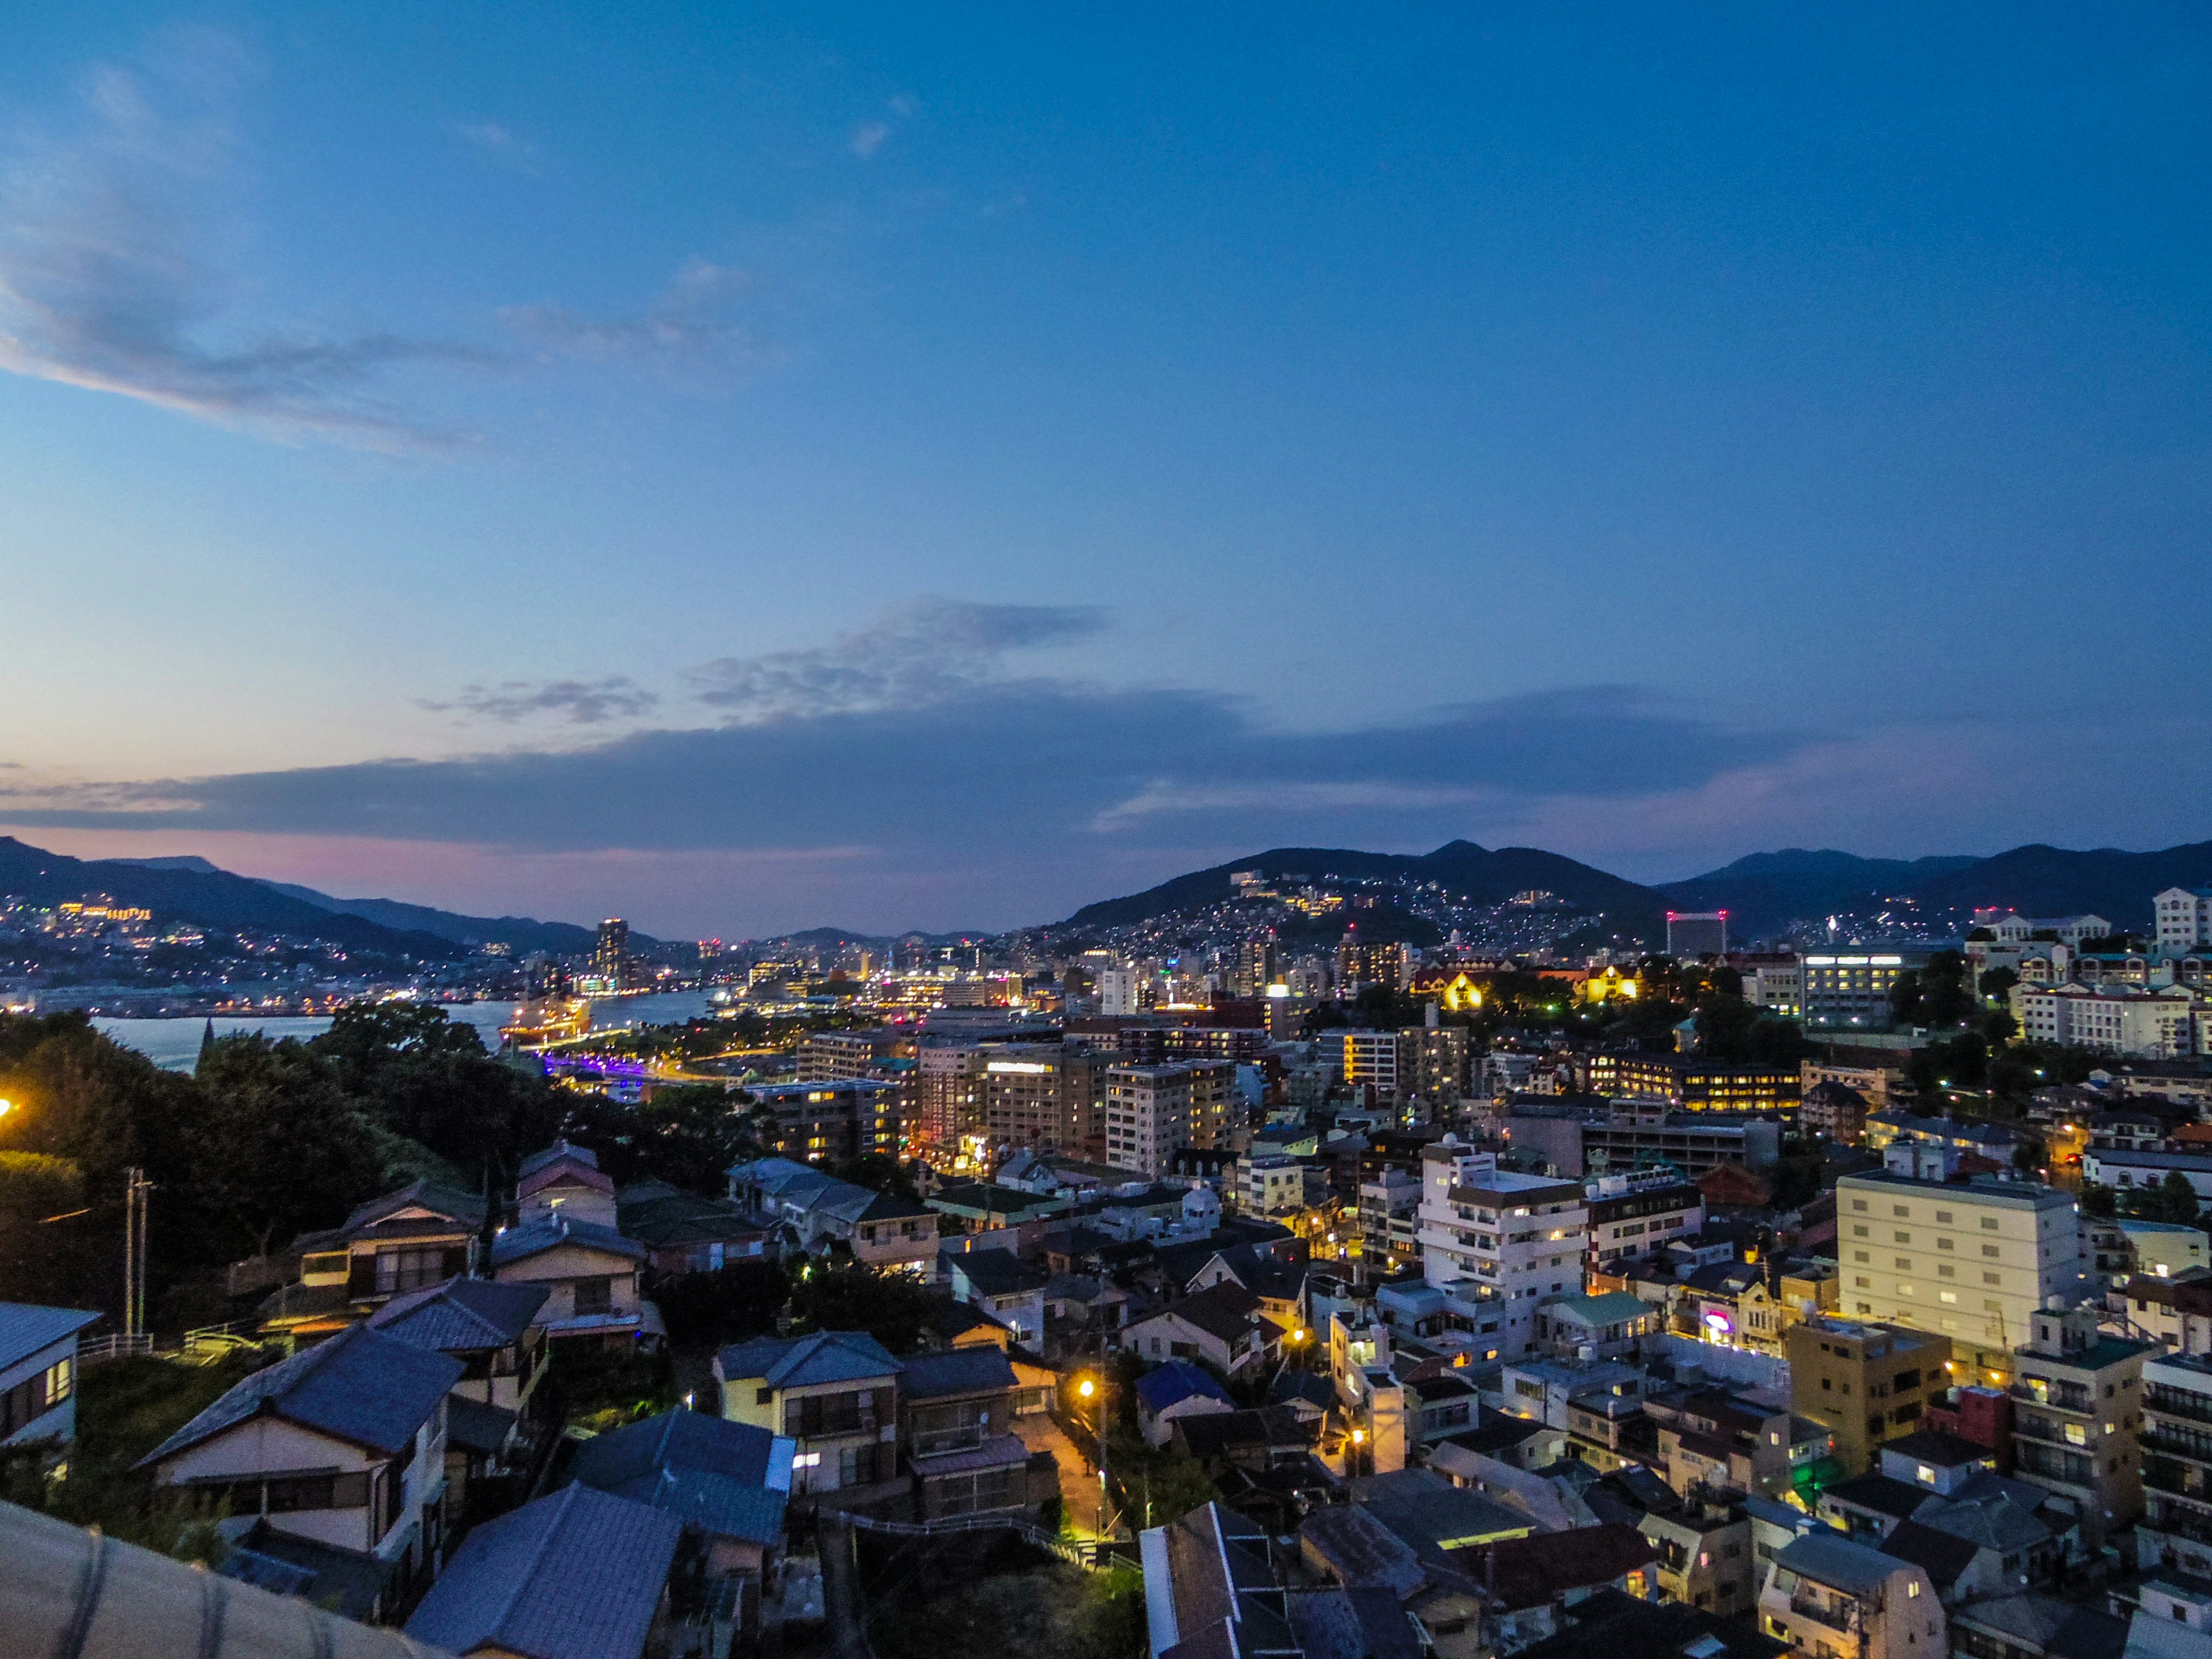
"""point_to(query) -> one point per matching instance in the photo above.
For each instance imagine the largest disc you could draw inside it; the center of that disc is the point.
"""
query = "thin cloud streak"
(581, 702)
(108, 282)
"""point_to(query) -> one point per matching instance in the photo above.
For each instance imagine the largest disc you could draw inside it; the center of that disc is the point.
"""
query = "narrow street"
(1079, 1482)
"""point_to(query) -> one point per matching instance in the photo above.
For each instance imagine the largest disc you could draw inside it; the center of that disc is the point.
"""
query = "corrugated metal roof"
(1836, 1562)
(114, 1601)
(575, 1576)
(973, 1370)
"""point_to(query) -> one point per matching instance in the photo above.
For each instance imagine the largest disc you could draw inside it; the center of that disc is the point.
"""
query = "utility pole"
(134, 1253)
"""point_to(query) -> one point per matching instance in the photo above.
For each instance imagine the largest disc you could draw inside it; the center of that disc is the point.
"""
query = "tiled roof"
(553, 1154)
(474, 1426)
(575, 1576)
(803, 1361)
(995, 1271)
(1225, 1311)
(536, 1237)
(361, 1386)
(461, 1314)
(1528, 1572)
(726, 1478)
(1176, 1380)
(974, 1370)
(25, 1328)
(466, 1209)
(1943, 1556)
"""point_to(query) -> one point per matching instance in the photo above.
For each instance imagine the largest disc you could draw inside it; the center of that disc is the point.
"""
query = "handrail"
(1075, 1554)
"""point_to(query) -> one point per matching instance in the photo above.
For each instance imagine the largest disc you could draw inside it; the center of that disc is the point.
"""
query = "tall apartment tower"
(2077, 1406)
(1258, 964)
(611, 956)
(1505, 1241)
(948, 1096)
(1044, 1097)
(1119, 991)
(1973, 1260)
(1152, 1112)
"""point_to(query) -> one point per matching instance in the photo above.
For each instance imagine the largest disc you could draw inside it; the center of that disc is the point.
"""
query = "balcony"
(2056, 1397)
(2054, 1434)
(2187, 1444)
(2176, 1523)
(1835, 1617)
(2159, 1476)
(2177, 1402)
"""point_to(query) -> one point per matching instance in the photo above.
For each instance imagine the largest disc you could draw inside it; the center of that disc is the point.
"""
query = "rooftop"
(25, 1328)
(803, 1361)
(575, 1576)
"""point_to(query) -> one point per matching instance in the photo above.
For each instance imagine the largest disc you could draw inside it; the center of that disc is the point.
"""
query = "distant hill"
(2051, 881)
(180, 890)
(1479, 874)
(1765, 892)
(525, 934)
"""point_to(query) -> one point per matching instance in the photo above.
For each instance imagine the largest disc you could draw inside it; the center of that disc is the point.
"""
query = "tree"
(279, 1149)
(1997, 982)
(728, 1304)
(2172, 1199)
(688, 1136)
(890, 1307)
(2098, 1202)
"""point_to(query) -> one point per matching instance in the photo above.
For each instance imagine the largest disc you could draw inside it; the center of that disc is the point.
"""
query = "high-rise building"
(1974, 1261)
(1045, 1097)
(1370, 1058)
(1505, 1241)
(1152, 1112)
(1847, 989)
(842, 1056)
(1360, 963)
(2177, 1469)
(1121, 991)
(827, 1122)
(1694, 933)
(610, 962)
(1432, 1062)
(1257, 965)
(948, 1096)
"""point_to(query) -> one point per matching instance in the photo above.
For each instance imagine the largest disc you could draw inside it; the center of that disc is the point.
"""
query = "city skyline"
(751, 475)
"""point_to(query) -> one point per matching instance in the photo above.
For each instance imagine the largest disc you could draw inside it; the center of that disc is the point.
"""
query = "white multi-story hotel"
(2184, 918)
(1971, 1261)
(2116, 1019)
(1504, 1243)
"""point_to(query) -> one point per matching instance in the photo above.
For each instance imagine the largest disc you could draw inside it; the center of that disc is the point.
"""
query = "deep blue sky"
(753, 470)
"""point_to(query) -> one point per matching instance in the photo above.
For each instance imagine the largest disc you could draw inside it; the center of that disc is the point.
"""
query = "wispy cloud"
(579, 703)
(501, 145)
(911, 656)
(868, 135)
(109, 279)
(687, 330)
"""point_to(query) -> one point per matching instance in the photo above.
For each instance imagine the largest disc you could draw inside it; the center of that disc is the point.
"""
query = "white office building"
(2184, 918)
(2117, 1019)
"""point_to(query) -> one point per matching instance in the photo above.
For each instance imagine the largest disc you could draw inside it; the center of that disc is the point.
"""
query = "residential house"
(684, 1233)
(1621, 1627)
(423, 1235)
(1347, 1543)
(818, 1214)
(1220, 1326)
(1210, 1592)
(492, 1330)
(1705, 1555)
(727, 1482)
(1529, 1583)
(1001, 1285)
(38, 1373)
(342, 1445)
(957, 1420)
(1176, 1390)
(833, 1393)
(1829, 1596)
(1596, 1327)
(580, 1575)
(1279, 1285)
(589, 1273)
(565, 1181)
(1713, 1440)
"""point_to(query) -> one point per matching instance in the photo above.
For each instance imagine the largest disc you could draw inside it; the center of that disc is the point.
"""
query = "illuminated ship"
(547, 1019)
